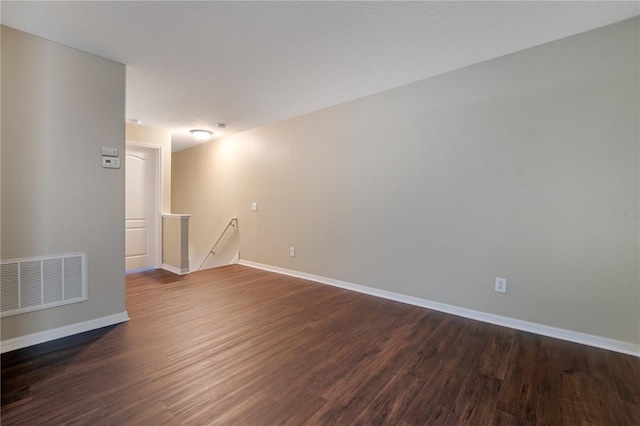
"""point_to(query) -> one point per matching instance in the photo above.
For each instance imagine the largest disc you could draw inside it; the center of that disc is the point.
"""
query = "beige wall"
(150, 136)
(502, 169)
(59, 107)
(206, 187)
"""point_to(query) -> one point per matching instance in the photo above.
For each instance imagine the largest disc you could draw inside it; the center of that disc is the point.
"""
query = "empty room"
(320, 213)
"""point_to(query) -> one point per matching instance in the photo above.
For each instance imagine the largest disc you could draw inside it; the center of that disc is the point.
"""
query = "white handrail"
(233, 222)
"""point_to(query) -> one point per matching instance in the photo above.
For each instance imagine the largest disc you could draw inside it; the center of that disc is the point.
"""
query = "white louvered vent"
(42, 282)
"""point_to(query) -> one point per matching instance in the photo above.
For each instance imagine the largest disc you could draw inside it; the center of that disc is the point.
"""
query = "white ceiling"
(195, 64)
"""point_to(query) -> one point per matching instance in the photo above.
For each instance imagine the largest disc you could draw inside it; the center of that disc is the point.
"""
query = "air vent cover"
(35, 283)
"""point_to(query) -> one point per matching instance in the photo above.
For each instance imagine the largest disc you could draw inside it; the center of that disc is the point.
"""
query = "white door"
(140, 207)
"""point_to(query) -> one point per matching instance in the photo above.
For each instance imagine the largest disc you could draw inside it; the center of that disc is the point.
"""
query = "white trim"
(172, 215)
(57, 333)
(158, 190)
(183, 271)
(544, 330)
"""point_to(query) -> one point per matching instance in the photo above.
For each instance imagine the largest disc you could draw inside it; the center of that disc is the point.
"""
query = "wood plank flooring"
(241, 346)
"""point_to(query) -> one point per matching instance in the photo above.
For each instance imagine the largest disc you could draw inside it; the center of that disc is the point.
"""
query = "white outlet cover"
(292, 251)
(501, 285)
(254, 206)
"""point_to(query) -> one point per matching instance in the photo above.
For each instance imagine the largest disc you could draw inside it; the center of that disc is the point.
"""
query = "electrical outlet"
(292, 251)
(254, 207)
(501, 285)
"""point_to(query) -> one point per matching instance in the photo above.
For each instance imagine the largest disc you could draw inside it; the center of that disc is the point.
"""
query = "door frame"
(158, 198)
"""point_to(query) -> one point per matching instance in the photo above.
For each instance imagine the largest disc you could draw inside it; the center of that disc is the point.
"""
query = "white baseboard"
(544, 330)
(57, 333)
(175, 270)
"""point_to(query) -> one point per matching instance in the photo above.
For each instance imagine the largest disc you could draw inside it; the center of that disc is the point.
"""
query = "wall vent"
(35, 283)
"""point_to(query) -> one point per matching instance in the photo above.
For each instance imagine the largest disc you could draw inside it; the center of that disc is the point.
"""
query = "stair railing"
(232, 223)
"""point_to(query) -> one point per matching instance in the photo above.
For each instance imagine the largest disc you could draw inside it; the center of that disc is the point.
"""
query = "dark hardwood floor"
(242, 346)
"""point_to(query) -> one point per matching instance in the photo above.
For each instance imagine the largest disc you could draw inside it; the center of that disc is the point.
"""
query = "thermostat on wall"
(110, 162)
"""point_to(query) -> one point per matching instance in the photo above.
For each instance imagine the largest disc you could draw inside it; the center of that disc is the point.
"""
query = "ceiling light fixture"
(201, 135)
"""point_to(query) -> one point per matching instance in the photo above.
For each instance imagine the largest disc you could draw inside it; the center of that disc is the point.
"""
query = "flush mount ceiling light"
(201, 135)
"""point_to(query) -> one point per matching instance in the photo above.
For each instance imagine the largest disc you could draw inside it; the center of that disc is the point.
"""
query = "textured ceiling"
(195, 64)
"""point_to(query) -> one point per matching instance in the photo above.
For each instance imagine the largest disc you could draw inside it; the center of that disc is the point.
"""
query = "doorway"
(142, 207)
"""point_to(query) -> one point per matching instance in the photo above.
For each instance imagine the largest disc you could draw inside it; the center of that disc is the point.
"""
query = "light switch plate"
(109, 152)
